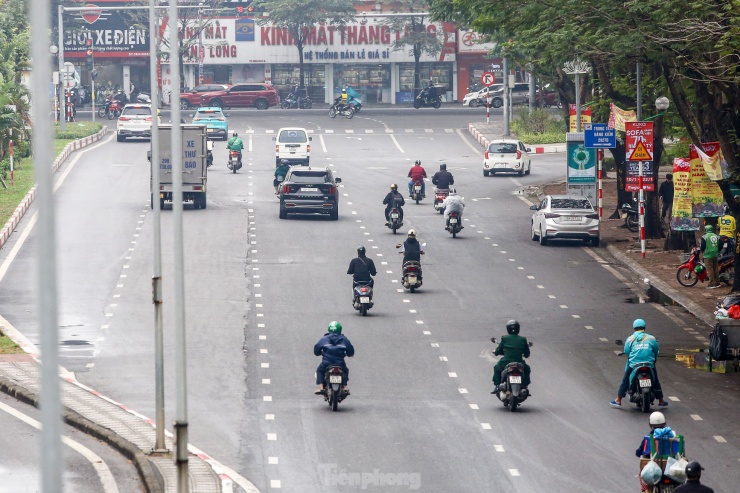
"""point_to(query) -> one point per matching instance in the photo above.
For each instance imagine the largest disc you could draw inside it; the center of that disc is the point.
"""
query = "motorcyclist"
(209, 151)
(393, 199)
(236, 144)
(658, 430)
(642, 350)
(417, 174)
(453, 203)
(361, 268)
(333, 347)
(412, 250)
(354, 97)
(442, 179)
(280, 172)
(693, 480)
(514, 348)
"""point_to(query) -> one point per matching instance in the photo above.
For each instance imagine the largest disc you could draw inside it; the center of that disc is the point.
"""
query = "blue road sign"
(599, 136)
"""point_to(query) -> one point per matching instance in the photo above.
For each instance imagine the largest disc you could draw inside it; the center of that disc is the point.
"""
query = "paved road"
(260, 292)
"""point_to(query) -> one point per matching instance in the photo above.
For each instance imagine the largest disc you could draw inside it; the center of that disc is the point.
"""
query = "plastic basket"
(684, 257)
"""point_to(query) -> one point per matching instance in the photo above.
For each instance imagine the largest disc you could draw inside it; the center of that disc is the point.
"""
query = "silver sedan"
(565, 217)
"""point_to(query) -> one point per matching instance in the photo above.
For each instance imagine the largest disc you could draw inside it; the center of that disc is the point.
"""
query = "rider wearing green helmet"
(333, 347)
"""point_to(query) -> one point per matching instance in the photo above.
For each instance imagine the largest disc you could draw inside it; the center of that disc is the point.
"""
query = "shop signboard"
(114, 33)
(472, 42)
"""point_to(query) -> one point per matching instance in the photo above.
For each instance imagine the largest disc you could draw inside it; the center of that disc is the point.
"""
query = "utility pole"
(60, 54)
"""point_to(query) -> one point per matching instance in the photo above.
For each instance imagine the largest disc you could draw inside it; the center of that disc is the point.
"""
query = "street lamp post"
(577, 67)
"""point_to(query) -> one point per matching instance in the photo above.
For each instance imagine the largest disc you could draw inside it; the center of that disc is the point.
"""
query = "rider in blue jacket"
(333, 347)
(642, 350)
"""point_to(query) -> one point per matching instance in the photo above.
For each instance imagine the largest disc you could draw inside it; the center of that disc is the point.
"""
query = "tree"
(300, 17)
(14, 58)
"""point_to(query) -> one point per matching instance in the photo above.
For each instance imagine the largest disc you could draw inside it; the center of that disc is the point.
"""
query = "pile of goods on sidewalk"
(729, 307)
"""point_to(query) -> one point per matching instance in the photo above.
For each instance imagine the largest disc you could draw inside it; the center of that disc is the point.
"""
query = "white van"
(292, 143)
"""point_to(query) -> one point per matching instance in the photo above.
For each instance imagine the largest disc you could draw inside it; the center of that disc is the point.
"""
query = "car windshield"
(201, 115)
(309, 177)
(137, 111)
(502, 147)
(570, 204)
(292, 137)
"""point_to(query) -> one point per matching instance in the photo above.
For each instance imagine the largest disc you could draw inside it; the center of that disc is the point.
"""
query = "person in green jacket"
(280, 172)
(514, 348)
(236, 144)
(710, 249)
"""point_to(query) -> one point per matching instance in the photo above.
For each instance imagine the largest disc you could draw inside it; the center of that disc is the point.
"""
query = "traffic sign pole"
(642, 212)
(600, 161)
(488, 109)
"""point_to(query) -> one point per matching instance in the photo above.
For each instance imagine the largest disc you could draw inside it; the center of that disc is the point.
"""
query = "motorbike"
(454, 225)
(111, 108)
(354, 98)
(411, 276)
(693, 269)
(640, 390)
(209, 153)
(394, 219)
(416, 195)
(631, 218)
(292, 102)
(363, 299)
(425, 99)
(334, 386)
(440, 194)
(511, 393)
(235, 161)
(143, 98)
(340, 108)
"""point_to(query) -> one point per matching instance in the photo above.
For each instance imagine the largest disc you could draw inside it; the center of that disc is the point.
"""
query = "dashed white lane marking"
(589, 327)
(264, 365)
(576, 316)
(349, 131)
(486, 238)
(420, 322)
(603, 339)
(514, 472)
(485, 426)
(267, 398)
(108, 314)
(512, 260)
(400, 290)
(550, 296)
(540, 286)
(674, 398)
(530, 277)
(503, 251)
(258, 305)
(263, 351)
(261, 325)
(265, 381)
(720, 439)
(520, 268)
(389, 272)
(435, 344)
(564, 306)
(494, 244)
(412, 311)
(407, 301)
(473, 406)
(119, 285)
(396, 280)
(427, 333)
(499, 448)
(443, 358)
(696, 417)
(275, 483)
(258, 295)
(272, 437)
(104, 326)
(463, 391)
(272, 460)
(354, 212)
(452, 374)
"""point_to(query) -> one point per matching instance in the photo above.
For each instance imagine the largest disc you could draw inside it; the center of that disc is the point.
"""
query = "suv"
(192, 97)
(135, 121)
(215, 121)
(309, 191)
(261, 96)
(519, 93)
(292, 144)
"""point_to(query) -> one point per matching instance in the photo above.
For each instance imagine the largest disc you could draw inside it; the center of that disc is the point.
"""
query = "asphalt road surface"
(260, 292)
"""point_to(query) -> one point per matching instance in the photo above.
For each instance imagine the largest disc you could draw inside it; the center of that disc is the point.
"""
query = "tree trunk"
(417, 71)
(301, 76)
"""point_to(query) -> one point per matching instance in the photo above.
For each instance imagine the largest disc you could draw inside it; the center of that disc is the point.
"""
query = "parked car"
(565, 217)
(519, 93)
(507, 156)
(215, 121)
(292, 144)
(478, 98)
(135, 121)
(309, 191)
(545, 97)
(261, 96)
(191, 98)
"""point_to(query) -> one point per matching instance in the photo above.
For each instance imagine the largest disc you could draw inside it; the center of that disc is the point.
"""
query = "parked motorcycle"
(440, 194)
(363, 299)
(334, 384)
(340, 108)
(631, 218)
(511, 393)
(428, 98)
(640, 390)
(454, 225)
(111, 108)
(394, 220)
(416, 195)
(292, 102)
(235, 161)
(693, 269)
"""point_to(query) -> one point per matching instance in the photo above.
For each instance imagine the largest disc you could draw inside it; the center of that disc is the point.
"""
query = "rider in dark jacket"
(393, 199)
(333, 347)
(412, 250)
(280, 172)
(361, 268)
(514, 348)
(442, 179)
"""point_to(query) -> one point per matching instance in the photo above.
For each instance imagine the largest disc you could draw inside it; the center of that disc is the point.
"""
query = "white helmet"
(412, 232)
(657, 420)
(453, 191)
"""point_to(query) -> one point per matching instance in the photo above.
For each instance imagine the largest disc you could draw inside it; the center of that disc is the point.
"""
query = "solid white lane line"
(323, 143)
(398, 146)
(101, 468)
(468, 143)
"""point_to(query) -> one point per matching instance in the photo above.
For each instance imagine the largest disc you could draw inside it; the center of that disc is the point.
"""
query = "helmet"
(361, 250)
(234, 134)
(709, 228)
(336, 328)
(443, 166)
(412, 232)
(394, 187)
(512, 327)
(453, 191)
(638, 324)
(284, 161)
(693, 469)
(417, 163)
(657, 420)
(699, 269)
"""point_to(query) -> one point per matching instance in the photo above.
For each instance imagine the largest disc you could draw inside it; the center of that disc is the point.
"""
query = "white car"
(292, 143)
(135, 121)
(565, 217)
(507, 156)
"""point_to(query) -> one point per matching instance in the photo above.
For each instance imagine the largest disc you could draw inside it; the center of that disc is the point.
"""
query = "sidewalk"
(659, 266)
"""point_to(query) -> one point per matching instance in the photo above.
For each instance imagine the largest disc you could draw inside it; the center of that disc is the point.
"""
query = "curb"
(483, 141)
(20, 211)
(690, 306)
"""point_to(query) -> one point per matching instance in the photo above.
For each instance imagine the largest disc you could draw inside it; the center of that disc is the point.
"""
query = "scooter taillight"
(335, 371)
(411, 269)
(234, 153)
(363, 290)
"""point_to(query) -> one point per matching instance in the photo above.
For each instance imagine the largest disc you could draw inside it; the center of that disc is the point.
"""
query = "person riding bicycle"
(236, 144)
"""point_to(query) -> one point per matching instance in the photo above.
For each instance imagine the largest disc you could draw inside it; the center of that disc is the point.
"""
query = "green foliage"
(538, 127)
(680, 149)
(78, 130)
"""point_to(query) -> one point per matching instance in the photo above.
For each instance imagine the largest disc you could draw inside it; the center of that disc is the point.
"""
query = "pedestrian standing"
(710, 249)
(666, 194)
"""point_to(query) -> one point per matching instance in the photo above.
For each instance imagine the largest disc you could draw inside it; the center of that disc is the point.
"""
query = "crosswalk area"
(363, 131)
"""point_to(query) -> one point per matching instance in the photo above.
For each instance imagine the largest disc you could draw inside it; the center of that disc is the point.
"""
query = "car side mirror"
(337, 180)
(310, 138)
(534, 208)
(274, 138)
(528, 149)
(149, 156)
(619, 342)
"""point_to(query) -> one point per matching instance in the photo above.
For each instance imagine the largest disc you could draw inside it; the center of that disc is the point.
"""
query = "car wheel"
(529, 168)
(119, 138)
(497, 102)
(217, 103)
(543, 238)
(473, 103)
(485, 172)
(184, 104)
(283, 212)
(595, 242)
(334, 215)
(534, 235)
(285, 105)
(521, 171)
(262, 104)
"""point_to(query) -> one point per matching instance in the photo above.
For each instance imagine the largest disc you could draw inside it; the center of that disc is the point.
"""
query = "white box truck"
(194, 168)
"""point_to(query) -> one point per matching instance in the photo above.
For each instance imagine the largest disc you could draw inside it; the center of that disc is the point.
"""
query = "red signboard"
(639, 141)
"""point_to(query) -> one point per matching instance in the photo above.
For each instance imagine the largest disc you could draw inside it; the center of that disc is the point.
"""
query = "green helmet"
(699, 269)
(709, 228)
(335, 328)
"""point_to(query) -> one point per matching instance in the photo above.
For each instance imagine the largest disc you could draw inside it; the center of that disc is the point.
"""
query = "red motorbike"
(440, 194)
(693, 269)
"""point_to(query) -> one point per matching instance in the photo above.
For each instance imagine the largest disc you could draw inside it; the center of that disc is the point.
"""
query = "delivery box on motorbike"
(193, 165)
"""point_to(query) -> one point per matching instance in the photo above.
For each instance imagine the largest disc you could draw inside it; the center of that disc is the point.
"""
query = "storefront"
(439, 73)
(472, 61)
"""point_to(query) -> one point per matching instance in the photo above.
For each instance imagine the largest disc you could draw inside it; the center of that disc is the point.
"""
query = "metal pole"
(12, 172)
(159, 445)
(578, 102)
(60, 55)
(600, 160)
(642, 212)
(532, 93)
(488, 109)
(52, 460)
(200, 46)
(506, 97)
(92, 87)
(639, 94)
(181, 413)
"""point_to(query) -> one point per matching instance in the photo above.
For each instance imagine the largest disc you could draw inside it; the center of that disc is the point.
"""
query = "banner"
(681, 219)
(706, 194)
(585, 117)
(714, 166)
(581, 163)
(618, 117)
(632, 179)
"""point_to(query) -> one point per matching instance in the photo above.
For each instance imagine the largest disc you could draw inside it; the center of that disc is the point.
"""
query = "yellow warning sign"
(640, 153)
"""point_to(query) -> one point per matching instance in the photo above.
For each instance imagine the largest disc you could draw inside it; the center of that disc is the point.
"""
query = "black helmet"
(234, 134)
(417, 163)
(443, 166)
(512, 327)
(361, 251)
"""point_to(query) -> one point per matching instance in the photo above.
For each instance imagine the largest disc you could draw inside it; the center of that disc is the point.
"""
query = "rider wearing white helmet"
(453, 203)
